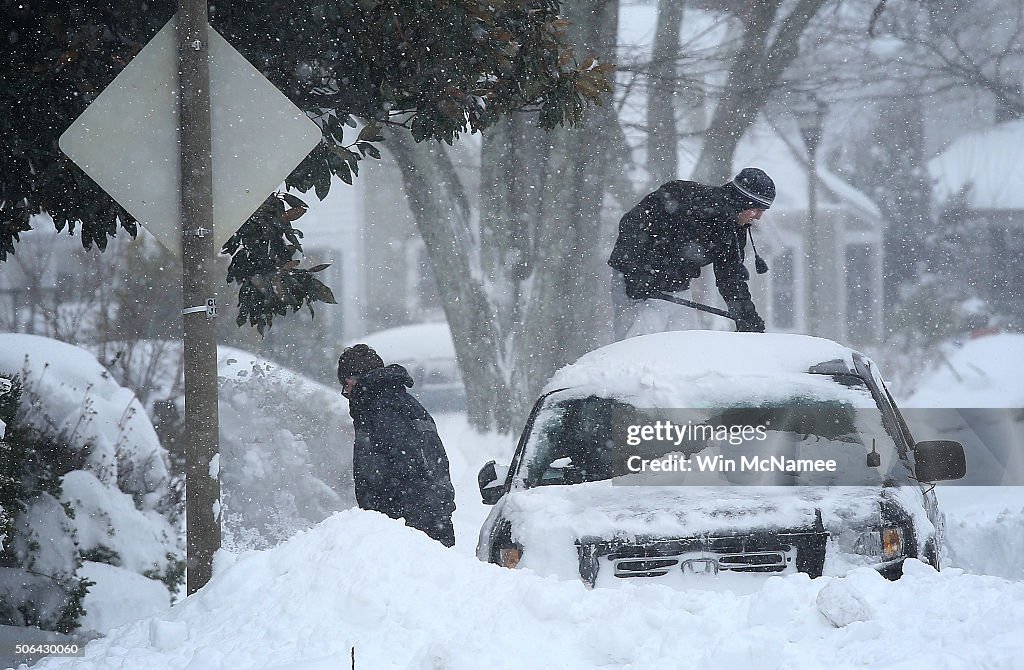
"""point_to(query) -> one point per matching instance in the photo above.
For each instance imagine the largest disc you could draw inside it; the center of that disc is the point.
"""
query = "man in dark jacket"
(674, 232)
(399, 464)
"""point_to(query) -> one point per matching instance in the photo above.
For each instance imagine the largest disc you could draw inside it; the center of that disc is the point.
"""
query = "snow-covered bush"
(111, 503)
(285, 440)
(38, 554)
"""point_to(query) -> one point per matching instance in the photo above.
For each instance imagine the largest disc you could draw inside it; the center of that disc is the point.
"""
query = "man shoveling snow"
(674, 232)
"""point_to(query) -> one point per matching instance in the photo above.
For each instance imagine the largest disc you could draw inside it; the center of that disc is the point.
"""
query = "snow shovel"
(695, 305)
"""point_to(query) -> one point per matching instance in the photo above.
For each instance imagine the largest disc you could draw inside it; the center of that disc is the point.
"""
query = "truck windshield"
(793, 441)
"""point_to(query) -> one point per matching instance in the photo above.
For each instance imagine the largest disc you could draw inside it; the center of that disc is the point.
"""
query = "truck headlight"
(509, 556)
(885, 543)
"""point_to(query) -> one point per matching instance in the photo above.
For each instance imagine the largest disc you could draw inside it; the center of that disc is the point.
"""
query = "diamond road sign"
(127, 139)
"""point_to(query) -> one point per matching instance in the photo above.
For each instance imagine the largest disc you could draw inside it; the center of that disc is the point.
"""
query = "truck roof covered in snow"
(693, 368)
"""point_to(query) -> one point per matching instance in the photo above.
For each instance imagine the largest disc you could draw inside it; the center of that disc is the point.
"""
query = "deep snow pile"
(402, 601)
(119, 496)
(359, 580)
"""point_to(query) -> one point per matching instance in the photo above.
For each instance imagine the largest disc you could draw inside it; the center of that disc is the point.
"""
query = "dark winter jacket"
(400, 467)
(667, 238)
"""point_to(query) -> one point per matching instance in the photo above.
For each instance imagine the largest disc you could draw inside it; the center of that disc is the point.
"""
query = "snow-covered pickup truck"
(701, 457)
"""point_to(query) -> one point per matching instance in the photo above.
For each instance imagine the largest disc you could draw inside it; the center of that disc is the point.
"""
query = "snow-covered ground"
(359, 580)
(360, 584)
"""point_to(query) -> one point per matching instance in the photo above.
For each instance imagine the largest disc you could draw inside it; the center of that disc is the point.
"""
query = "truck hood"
(549, 521)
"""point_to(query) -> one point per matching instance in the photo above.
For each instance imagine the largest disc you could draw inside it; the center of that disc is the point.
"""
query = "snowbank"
(80, 398)
(116, 500)
(361, 581)
(984, 372)
(118, 596)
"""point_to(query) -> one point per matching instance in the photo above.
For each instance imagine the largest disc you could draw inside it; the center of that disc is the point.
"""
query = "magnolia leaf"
(369, 132)
(321, 292)
(293, 213)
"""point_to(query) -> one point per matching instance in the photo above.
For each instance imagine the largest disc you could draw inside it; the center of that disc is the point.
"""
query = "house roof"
(987, 164)
(780, 152)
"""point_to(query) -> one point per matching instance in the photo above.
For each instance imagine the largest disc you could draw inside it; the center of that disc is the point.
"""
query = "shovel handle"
(695, 305)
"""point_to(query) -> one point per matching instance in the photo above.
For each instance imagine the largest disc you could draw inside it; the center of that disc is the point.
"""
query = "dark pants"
(643, 317)
(441, 529)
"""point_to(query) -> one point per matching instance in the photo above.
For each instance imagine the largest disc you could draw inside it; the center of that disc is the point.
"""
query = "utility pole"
(149, 140)
(202, 451)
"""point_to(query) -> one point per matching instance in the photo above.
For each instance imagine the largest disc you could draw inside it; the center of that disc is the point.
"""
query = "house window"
(861, 273)
(783, 289)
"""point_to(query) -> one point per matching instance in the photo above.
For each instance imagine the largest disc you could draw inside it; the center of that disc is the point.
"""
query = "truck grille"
(755, 561)
(772, 552)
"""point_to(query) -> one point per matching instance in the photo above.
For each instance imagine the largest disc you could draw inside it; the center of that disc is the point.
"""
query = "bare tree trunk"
(513, 160)
(569, 261)
(662, 134)
(520, 290)
(764, 54)
(443, 218)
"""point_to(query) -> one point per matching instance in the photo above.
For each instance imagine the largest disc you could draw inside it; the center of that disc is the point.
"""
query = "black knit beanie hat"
(752, 188)
(357, 360)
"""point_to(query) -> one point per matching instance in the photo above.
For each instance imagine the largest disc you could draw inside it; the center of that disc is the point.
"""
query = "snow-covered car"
(678, 455)
(427, 351)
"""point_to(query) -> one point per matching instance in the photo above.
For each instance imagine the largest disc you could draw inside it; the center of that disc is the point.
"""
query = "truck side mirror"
(491, 481)
(939, 460)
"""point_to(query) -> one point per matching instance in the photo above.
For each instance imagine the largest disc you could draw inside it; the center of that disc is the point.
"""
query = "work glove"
(746, 316)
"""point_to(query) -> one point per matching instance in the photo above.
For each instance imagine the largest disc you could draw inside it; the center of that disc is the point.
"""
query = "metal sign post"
(202, 476)
(190, 139)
